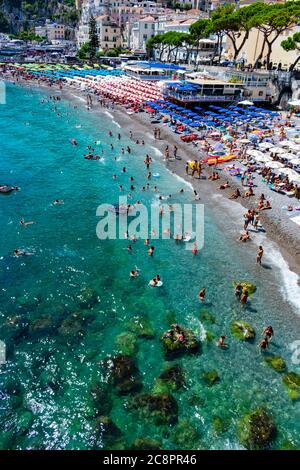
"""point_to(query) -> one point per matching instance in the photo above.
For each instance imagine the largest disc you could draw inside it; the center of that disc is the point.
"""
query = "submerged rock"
(219, 424)
(107, 432)
(15, 327)
(72, 325)
(209, 336)
(178, 341)
(169, 380)
(276, 362)
(41, 326)
(51, 378)
(242, 330)
(288, 445)
(143, 443)
(292, 381)
(256, 430)
(162, 408)
(88, 297)
(211, 377)
(101, 399)
(24, 422)
(186, 436)
(127, 343)
(247, 286)
(123, 374)
(207, 316)
(141, 326)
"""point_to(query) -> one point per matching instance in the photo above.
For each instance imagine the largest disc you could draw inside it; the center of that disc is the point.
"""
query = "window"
(145, 36)
(260, 93)
(146, 26)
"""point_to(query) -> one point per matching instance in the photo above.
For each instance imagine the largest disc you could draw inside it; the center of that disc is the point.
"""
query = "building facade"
(51, 31)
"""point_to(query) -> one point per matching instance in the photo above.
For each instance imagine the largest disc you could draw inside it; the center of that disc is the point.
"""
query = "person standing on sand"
(175, 151)
(260, 253)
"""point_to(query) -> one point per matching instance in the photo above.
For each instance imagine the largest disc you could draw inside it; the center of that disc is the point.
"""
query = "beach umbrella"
(255, 153)
(275, 165)
(265, 145)
(246, 103)
(294, 103)
(278, 150)
(287, 156)
(295, 161)
(285, 143)
(263, 158)
(244, 141)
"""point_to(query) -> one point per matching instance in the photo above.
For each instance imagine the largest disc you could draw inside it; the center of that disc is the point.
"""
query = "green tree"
(292, 43)
(272, 20)
(201, 29)
(84, 51)
(93, 37)
(236, 24)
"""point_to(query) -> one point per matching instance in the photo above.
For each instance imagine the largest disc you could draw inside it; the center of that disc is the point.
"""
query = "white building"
(51, 31)
(142, 30)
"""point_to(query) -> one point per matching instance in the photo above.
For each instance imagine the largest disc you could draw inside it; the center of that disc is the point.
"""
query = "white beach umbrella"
(275, 165)
(255, 153)
(244, 141)
(278, 150)
(265, 145)
(294, 103)
(284, 143)
(295, 161)
(287, 156)
(263, 159)
(246, 103)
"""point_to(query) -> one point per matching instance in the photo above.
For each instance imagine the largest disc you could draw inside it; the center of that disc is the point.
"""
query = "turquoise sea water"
(55, 344)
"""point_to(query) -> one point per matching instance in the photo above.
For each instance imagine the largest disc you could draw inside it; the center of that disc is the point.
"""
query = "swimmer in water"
(201, 295)
(195, 249)
(238, 290)
(268, 333)
(129, 249)
(221, 342)
(24, 224)
(114, 177)
(151, 251)
(17, 253)
(263, 345)
(146, 242)
(244, 297)
(58, 202)
(134, 273)
(155, 281)
(74, 142)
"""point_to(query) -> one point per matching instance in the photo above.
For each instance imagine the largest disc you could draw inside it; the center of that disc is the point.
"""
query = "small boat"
(5, 189)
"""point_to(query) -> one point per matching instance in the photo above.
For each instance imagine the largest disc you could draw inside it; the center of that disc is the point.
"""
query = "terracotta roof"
(148, 19)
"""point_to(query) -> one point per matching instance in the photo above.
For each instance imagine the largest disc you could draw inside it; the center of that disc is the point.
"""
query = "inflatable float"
(225, 158)
(159, 284)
